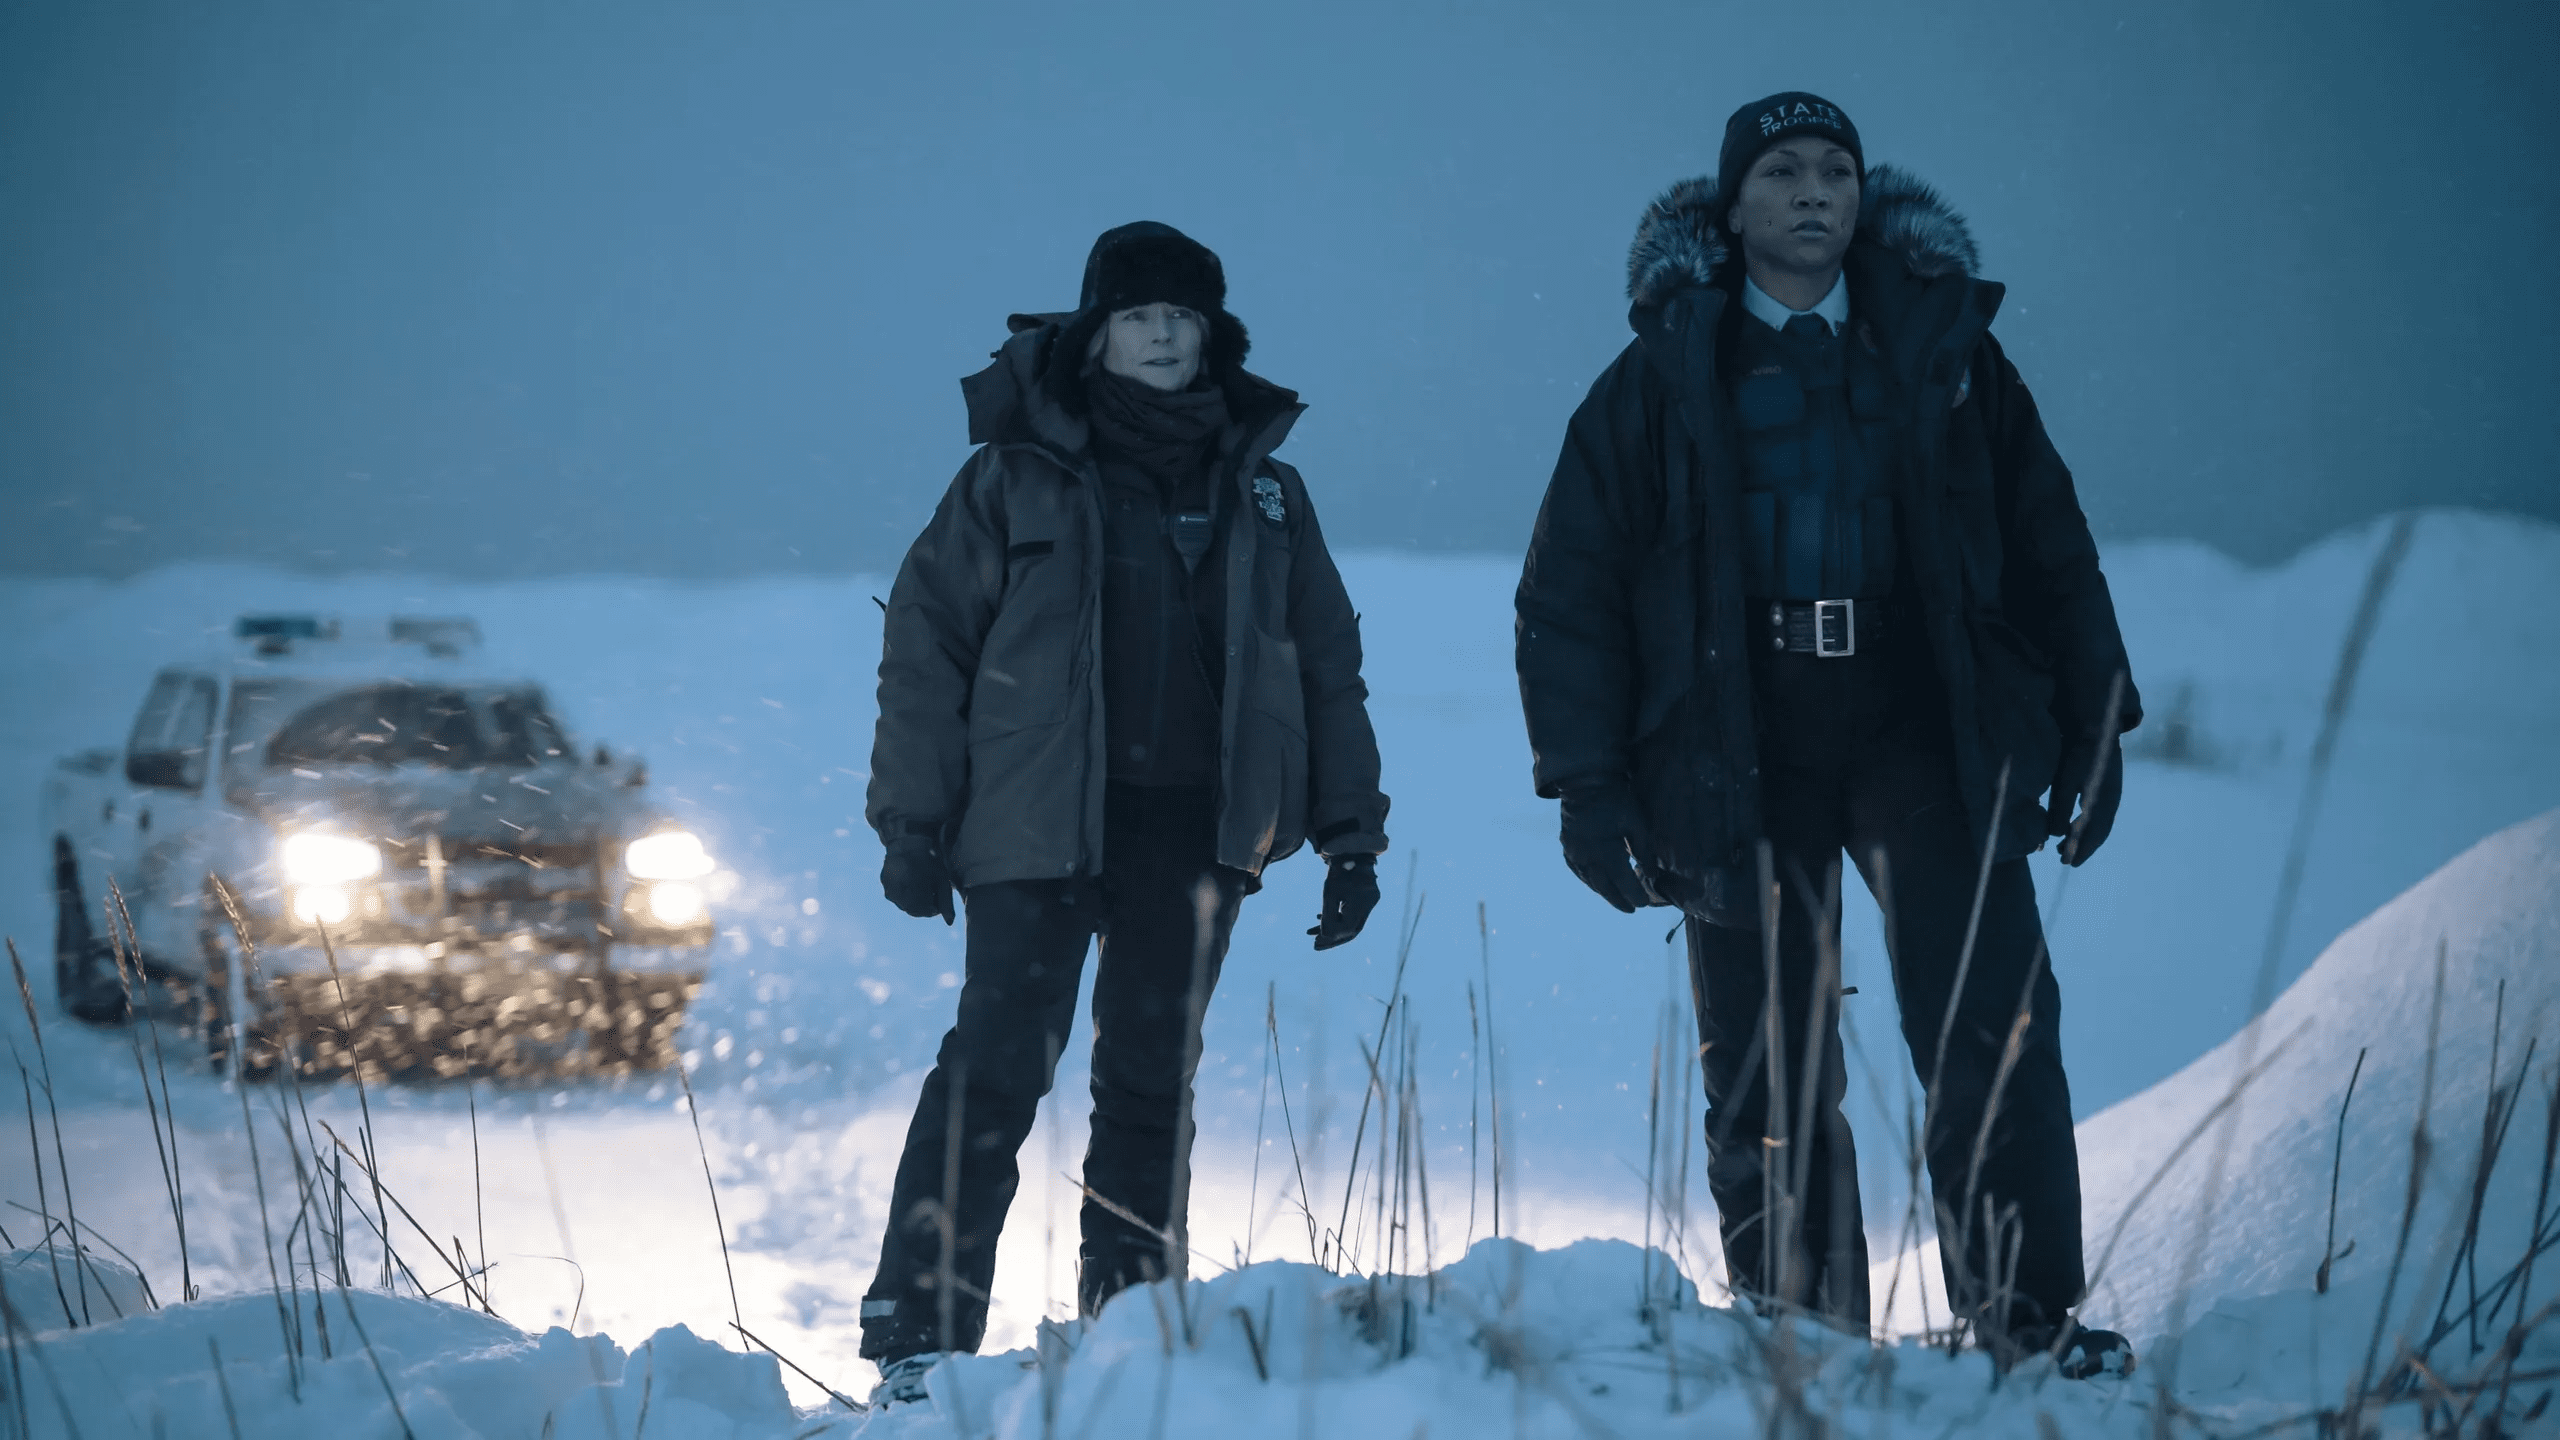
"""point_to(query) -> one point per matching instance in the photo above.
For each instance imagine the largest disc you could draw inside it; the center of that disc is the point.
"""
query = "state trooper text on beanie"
(1763, 123)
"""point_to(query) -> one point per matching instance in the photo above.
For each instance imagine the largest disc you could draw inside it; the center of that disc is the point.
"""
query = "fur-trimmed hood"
(1682, 239)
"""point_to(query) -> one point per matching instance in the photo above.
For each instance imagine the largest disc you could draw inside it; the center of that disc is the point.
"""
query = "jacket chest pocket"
(1029, 663)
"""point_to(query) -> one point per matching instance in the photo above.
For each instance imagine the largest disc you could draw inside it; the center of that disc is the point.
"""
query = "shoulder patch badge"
(1266, 496)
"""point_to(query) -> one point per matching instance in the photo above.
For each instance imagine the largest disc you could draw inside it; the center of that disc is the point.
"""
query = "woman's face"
(1798, 208)
(1156, 345)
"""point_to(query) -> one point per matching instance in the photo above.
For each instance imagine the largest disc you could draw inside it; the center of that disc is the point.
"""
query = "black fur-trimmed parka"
(1630, 630)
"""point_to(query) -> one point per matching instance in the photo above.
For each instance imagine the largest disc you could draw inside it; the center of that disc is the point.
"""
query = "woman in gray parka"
(1120, 677)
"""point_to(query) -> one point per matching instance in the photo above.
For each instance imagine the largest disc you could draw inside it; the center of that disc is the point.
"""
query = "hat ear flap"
(1228, 345)
(1062, 369)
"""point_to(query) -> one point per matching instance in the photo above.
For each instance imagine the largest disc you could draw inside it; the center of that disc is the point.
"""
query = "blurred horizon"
(498, 290)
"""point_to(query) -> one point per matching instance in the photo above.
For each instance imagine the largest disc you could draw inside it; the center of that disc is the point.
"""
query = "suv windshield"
(447, 726)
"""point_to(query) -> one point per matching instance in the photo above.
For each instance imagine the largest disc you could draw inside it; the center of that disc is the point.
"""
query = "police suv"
(346, 846)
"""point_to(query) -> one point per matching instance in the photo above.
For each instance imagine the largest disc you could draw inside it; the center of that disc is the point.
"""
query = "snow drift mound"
(1599, 1338)
(2493, 913)
(352, 1363)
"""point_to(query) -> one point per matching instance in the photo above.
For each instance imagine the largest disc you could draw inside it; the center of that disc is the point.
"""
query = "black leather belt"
(1829, 629)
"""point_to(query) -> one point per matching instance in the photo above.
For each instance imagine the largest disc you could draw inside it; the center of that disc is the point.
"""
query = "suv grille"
(411, 853)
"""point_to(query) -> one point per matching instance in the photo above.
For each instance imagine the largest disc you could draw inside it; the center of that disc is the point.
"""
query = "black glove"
(915, 879)
(1604, 840)
(1350, 893)
(2097, 802)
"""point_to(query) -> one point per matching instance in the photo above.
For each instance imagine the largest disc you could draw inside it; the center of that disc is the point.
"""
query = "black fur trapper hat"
(1143, 263)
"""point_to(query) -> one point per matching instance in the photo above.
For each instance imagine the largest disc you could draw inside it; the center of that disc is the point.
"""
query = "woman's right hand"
(915, 878)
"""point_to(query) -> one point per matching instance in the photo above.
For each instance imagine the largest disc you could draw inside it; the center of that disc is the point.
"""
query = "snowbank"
(2493, 914)
(1580, 1341)
(349, 1364)
(1598, 1338)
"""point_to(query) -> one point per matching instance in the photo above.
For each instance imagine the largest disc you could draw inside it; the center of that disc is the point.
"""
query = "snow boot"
(902, 1382)
(2081, 1354)
(2091, 1353)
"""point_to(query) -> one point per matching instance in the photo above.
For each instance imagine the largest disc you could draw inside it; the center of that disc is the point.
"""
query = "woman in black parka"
(1120, 676)
(1811, 581)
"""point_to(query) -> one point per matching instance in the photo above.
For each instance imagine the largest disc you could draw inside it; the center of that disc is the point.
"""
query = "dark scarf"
(1167, 435)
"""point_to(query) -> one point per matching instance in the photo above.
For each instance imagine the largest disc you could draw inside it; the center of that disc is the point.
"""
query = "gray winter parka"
(1630, 635)
(991, 734)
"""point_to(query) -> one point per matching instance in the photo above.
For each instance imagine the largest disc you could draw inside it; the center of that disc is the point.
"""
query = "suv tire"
(84, 978)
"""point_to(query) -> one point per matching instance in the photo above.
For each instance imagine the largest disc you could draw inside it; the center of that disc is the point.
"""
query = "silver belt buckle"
(1823, 613)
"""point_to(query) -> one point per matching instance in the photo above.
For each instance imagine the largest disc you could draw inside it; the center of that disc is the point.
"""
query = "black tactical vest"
(1817, 463)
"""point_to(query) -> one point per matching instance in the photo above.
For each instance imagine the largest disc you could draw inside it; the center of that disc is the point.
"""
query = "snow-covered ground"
(1601, 1337)
(752, 704)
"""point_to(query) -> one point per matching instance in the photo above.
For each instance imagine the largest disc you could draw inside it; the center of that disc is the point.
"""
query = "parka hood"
(1011, 400)
(1681, 241)
(1034, 392)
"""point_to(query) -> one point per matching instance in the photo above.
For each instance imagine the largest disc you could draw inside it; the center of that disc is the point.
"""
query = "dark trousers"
(1855, 758)
(1163, 909)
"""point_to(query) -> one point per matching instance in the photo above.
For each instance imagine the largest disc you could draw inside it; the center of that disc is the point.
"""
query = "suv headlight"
(667, 855)
(314, 858)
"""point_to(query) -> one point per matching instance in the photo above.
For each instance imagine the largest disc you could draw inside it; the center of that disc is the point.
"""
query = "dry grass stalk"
(2329, 1251)
(1205, 903)
(70, 1207)
(364, 1105)
(2421, 1151)
(138, 1001)
(720, 1228)
(2451, 1399)
(222, 1383)
(2514, 1346)
(1051, 1105)
(1652, 1167)
(304, 1184)
(1492, 1062)
(479, 1214)
(381, 1223)
(1271, 1023)
(1395, 994)
(44, 1200)
(1475, 1071)
(18, 1332)
(104, 1243)
(2498, 1110)
(1777, 1271)
(2342, 685)
(286, 1323)
(838, 1396)
(946, 1288)
(17, 1377)
(347, 1298)
(1261, 1115)
(1255, 1342)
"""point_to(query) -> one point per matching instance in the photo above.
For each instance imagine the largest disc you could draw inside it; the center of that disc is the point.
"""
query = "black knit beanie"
(1763, 123)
